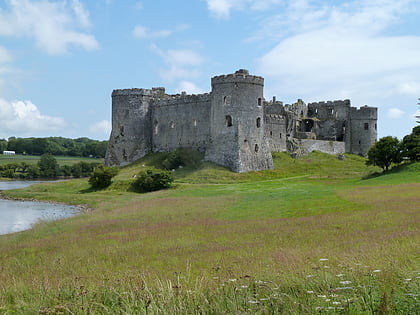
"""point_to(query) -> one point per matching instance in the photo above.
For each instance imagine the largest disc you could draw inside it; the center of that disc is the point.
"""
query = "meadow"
(316, 235)
(33, 159)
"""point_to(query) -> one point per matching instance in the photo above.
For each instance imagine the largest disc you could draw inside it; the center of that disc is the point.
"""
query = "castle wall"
(182, 121)
(275, 126)
(330, 147)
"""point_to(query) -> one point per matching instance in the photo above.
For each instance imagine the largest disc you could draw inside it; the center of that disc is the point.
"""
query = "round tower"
(363, 129)
(237, 123)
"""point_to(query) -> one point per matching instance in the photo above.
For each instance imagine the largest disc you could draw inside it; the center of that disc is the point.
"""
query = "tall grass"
(302, 240)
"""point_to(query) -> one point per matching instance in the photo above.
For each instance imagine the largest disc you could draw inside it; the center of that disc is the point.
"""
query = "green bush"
(153, 179)
(102, 175)
(182, 157)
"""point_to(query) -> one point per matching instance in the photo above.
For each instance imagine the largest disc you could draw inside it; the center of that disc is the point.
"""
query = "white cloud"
(54, 26)
(101, 129)
(5, 56)
(142, 32)
(222, 8)
(189, 87)
(395, 113)
(23, 118)
(181, 64)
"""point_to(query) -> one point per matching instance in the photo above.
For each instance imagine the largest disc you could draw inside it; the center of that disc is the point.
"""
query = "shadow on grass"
(399, 168)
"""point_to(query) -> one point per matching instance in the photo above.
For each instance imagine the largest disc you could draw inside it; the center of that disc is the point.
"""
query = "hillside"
(315, 235)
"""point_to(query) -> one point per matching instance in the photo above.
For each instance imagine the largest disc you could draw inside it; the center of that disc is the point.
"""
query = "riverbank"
(297, 243)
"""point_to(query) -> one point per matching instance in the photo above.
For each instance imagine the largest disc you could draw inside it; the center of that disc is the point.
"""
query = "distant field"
(314, 236)
(33, 159)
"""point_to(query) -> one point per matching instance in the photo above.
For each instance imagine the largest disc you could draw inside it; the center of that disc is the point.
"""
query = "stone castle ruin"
(234, 125)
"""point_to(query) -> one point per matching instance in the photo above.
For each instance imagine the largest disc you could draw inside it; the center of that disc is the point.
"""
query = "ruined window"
(360, 142)
(256, 148)
(366, 126)
(376, 127)
(280, 135)
(226, 100)
(271, 133)
(228, 121)
(308, 124)
(258, 122)
(259, 101)
(172, 124)
(122, 130)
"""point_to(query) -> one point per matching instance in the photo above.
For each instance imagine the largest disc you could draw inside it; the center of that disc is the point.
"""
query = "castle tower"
(363, 129)
(237, 123)
(131, 126)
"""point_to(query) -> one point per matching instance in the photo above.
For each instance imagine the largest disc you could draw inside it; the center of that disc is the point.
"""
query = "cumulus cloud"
(24, 118)
(189, 88)
(395, 113)
(342, 50)
(182, 64)
(101, 129)
(222, 8)
(142, 32)
(54, 26)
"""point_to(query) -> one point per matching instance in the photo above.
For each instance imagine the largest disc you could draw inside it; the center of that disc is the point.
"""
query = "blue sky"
(60, 60)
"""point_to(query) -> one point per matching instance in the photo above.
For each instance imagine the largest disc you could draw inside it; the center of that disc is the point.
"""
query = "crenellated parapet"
(364, 112)
(240, 76)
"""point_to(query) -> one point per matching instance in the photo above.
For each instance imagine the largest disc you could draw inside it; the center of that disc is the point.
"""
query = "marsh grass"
(289, 241)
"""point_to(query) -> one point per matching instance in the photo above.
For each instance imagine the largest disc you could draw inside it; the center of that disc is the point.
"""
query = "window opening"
(156, 127)
(228, 121)
(259, 101)
(195, 123)
(258, 122)
(366, 126)
(256, 148)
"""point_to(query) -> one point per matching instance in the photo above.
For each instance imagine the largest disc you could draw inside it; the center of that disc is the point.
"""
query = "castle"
(234, 125)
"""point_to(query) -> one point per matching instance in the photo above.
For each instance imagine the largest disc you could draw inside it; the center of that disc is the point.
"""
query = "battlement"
(364, 112)
(159, 91)
(180, 99)
(336, 103)
(240, 76)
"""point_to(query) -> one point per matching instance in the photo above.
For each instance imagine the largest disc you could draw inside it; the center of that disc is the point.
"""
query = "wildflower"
(408, 279)
(322, 296)
(264, 299)
(323, 259)
(309, 276)
(310, 292)
(243, 286)
(339, 275)
(336, 302)
(253, 302)
(327, 267)
(232, 280)
(377, 270)
(327, 300)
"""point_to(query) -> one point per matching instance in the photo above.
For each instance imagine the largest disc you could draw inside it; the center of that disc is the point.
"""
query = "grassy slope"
(33, 159)
(270, 226)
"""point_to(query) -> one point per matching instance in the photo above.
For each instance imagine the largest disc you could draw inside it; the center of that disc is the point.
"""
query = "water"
(17, 216)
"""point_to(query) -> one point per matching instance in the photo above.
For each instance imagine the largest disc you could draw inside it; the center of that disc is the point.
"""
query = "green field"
(314, 236)
(33, 159)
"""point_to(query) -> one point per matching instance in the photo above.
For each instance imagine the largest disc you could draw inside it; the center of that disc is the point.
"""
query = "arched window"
(256, 148)
(258, 122)
(228, 121)
(259, 101)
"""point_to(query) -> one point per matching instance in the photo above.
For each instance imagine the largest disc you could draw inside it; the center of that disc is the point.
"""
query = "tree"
(102, 175)
(385, 152)
(153, 179)
(411, 145)
(48, 166)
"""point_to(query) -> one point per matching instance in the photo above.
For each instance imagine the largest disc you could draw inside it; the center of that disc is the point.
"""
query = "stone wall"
(182, 121)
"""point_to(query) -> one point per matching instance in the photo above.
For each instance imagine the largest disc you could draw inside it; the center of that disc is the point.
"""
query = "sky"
(60, 60)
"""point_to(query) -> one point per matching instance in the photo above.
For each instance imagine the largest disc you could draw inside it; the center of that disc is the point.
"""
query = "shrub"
(48, 166)
(102, 175)
(153, 179)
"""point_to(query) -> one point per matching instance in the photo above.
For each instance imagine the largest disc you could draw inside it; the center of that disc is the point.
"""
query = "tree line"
(47, 167)
(81, 147)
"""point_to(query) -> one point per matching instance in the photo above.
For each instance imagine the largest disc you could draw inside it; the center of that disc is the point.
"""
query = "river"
(17, 216)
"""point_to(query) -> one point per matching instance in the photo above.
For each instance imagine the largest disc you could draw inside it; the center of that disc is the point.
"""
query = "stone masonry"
(234, 125)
